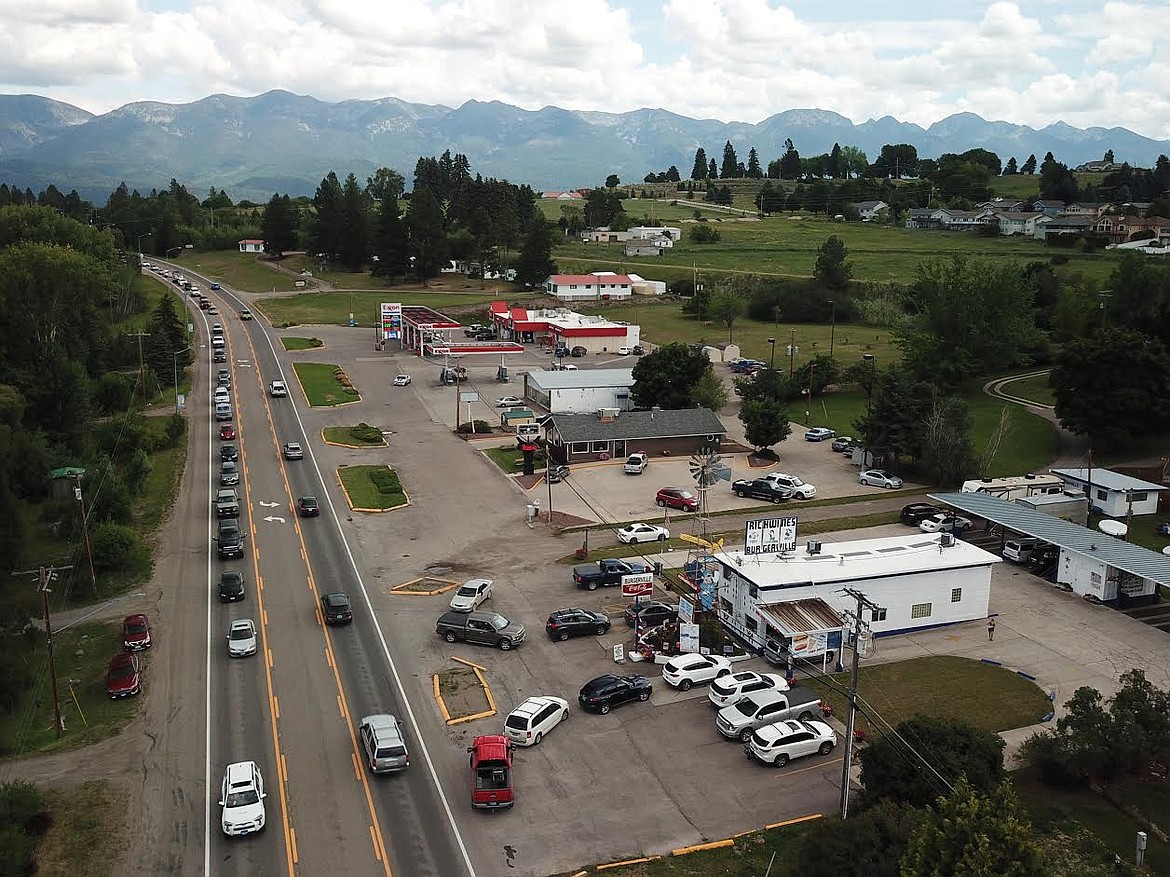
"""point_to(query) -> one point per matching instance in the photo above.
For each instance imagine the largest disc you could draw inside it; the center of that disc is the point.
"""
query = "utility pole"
(141, 360)
(46, 574)
(1104, 306)
(791, 355)
(859, 624)
(832, 325)
(80, 497)
(808, 399)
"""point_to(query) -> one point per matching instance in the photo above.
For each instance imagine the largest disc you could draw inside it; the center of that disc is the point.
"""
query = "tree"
(971, 833)
(832, 268)
(353, 232)
(946, 441)
(385, 183)
(1029, 165)
(834, 163)
(730, 162)
(790, 166)
(699, 171)
(427, 234)
(709, 392)
(703, 233)
(896, 161)
(612, 181)
(1092, 397)
(754, 171)
(324, 232)
(535, 263)
(768, 384)
(727, 307)
(666, 376)
(390, 242)
(278, 228)
(712, 170)
(870, 842)
(1011, 167)
(765, 423)
(1108, 156)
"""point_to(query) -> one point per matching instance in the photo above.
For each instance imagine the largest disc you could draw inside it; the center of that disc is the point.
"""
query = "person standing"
(991, 630)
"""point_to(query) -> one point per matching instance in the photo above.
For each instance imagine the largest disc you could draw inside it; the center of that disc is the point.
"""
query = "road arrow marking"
(269, 505)
(274, 518)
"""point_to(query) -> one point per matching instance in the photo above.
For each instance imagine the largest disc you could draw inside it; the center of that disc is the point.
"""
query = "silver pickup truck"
(737, 722)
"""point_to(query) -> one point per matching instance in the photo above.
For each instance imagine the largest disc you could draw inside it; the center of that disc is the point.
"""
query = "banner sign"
(639, 584)
(769, 535)
(688, 637)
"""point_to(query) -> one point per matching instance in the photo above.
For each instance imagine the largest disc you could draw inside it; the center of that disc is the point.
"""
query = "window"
(753, 591)
(1137, 496)
(750, 624)
(1103, 495)
(956, 595)
(921, 610)
(600, 447)
(579, 448)
(877, 614)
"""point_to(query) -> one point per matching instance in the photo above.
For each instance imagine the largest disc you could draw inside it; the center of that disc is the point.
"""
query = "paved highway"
(294, 707)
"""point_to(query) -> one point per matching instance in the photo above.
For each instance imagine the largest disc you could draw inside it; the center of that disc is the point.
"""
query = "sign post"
(637, 585)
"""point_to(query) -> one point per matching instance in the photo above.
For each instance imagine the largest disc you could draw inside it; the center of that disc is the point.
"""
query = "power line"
(46, 574)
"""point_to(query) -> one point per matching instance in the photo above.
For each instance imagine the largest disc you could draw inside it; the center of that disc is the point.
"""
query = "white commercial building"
(919, 581)
(579, 392)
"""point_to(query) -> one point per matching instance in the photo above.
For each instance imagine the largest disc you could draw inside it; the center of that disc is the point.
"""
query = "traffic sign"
(639, 584)
(686, 611)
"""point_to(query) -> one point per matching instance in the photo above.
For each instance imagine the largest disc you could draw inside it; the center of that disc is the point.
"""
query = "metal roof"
(582, 379)
(1107, 479)
(633, 425)
(804, 616)
(1069, 536)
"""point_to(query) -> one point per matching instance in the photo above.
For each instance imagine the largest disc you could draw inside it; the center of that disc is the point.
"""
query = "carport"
(1092, 564)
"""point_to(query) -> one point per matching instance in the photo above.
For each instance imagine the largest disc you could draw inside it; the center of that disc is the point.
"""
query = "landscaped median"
(361, 436)
(325, 384)
(294, 343)
(372, 488)
(462, 693)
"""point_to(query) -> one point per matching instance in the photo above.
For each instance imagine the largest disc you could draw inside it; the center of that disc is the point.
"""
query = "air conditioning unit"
(813, 546)
(947, 540)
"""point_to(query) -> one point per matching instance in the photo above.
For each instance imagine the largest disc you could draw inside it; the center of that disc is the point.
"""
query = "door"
(802, 743)
(477, 631)
(621, 693)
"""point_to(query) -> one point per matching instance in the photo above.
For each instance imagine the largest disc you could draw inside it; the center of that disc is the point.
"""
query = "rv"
(1016, 486)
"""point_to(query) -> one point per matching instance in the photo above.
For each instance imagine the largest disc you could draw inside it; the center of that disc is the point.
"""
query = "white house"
(642, 286)
(870, 210)
(649, 232)
(605, 235)
(961, 220)
(581, 391)
(1013, 222)
(918, 581)
(584, 287)
(1112, 491)
(251, 246)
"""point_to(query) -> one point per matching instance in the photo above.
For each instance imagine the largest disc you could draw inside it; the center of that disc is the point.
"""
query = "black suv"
(229, 540)
(651, 613)
(336, 609)
(600, 695)
(564, 623)
(917, 512)
(228, 452)
(231, 586)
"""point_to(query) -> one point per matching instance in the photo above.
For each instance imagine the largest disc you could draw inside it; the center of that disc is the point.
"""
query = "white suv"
(242, 798)
(778, 743)
(800, 489)
(277, 388)
(528, 723)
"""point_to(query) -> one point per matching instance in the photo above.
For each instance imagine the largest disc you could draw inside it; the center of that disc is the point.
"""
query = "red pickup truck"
(491, 772)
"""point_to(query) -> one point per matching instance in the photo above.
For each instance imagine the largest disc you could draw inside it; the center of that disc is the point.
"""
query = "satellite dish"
(1113, 528)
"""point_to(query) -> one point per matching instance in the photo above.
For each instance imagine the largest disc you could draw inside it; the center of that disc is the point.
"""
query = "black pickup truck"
(605, 573)
(761, 488)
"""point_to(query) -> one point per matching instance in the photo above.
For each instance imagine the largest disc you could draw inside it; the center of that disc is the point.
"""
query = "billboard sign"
(639, 584)
(390, 321)
(688, 637)
(686, 610)
(769, 535)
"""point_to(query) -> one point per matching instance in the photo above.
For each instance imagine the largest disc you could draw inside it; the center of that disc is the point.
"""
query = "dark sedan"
(336, 609)
(914, 514)
(307, 507)
(650, 613)
(600, 695)
(564, 623)
(231, 586)
(228, 453)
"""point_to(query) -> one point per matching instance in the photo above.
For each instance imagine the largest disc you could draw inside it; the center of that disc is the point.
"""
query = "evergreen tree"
(730, 167)
(712, 170)
(353, 226)
(278, 228)
(390, 242)
(672, 174)
(427, 234)
(790, 166)
(324, 232)
(754, 171)
(699, 171)
(1011, 167)
(1029, 166)
(168, 334)
(535, 264)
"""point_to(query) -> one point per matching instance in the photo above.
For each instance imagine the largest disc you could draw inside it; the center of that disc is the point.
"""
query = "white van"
(1020, 550)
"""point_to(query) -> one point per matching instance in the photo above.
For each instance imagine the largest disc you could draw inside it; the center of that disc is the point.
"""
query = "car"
(728, 690)
(229, 473)
(761, 488)
(570, 367)
(223, 378)
(241, 797)
(471, 594)
(819, 434)
(241, 638)
(307, 507)
(204, 303)
(482, 628)
(578, 351)
(216, 329)
(632, 534)
(603, 693)
(945, 522)
(229, 539)
(685, 671)
(650, 613)
(491, 772)
(530, 721)
(509, 402)
(231, 586)
(780, 742)
(636, 463)
(227, 432)
(213, 311)
(136, 633)
(219, 356)
(223, 411)
(574, 621)
(292, 451)
(216, 286)
(222, 394)
(917, 512)
(277, 390)
(383, 743)
(879, 478)
(401, 380)
(193, 292)
(842, 443)
(800, 489)
(245, 314)
(336, 608)
(625, 351)
(124, 676)
(228, 452)
(637, 350)
(556, 473)
(677, 498)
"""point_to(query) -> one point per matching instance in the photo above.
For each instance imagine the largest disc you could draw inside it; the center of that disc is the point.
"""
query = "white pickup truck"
(636, 463)
(277, 388)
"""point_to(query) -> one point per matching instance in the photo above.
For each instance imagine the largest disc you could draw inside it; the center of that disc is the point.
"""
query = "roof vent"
(947, 540)
(813, 546)
(1029, 476)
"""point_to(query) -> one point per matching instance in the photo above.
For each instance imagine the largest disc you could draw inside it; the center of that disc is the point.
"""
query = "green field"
(291, 342)
(238, 270)
(86, 834)
(322, 384)
(334, 308)
(364, 493)
(361, 436)
(1036, 389)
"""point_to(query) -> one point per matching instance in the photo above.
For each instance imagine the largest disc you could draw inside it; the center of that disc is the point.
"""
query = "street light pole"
(792, 355)
(872, 360)
(772, 361)
(832, 325)
(175, 360)
(145, 234)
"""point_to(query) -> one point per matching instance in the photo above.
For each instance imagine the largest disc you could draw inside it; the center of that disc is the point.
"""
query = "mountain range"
(282, 142)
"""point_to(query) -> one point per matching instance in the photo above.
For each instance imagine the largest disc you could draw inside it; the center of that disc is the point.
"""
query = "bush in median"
(386, 480)
(367, 434)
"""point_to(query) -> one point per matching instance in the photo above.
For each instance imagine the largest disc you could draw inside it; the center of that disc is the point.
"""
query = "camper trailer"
(1016, 487)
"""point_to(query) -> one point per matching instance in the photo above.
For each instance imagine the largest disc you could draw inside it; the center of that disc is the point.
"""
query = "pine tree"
(699, 171)
(278, 227)
(1029, 166)
(712, 170)
(353, 248)
(390, 242)
(427, 234)
(730, 162)
(327, 219)
(753, 164)
(535, 264)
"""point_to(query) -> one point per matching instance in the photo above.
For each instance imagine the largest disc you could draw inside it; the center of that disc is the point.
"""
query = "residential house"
(870, 210)
(586, 390)
(1120, 229)
(1085, 208)
(651, 247)
(648, 232)
(251, 246)
(605, 235)
(1013, 222)
(1114, 494)
(583, 287)
(1139, 208)
(922, 217)
(562, 196)
(1052, 208)
(642, 286)
(1055, 226)
(613, 434)
(1005, 204)
(1096, 167)
(962, 220)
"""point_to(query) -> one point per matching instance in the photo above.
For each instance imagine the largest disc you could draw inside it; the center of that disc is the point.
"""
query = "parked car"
(632, 534)
(292, 451)
(734, 687)
(401, 380)
(780, 742)
(481, 628)
(491, 772)
(945, 522)
(277, 390)
(625, 351)
(602, 694)
(124, 676)
(336, 608)
(677, 498)
(761, 488)
(917, 512)
(800, 489)
(241, 795)
(606, 572)
(649, 613)
(383, 743)
(136, 633)
(819, 434)
(527, 724)
(231, 586)
(578, 352)
(228, 452)
(765, 707)
(509, 402)
(307, 507)
(637, 350)
(686, 671)
(573, 621)
(879, 478)
(841, 443)
(227, 432)
(636, 463)
(241, 638)
(1020, 549)
(471, 594)
(229, 473)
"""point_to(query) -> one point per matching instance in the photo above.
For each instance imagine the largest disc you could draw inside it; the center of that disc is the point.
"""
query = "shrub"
(363, 432)
(176, 429)
(386, 480)
(481, 426)
(118, 549)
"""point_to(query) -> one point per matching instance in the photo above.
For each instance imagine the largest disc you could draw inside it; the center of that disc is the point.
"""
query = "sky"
(1033, 63)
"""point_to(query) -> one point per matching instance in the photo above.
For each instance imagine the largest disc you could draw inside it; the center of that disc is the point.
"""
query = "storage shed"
(1113, 492)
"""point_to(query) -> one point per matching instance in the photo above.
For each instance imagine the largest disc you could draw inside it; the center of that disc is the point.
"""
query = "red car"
(678, 498)
(227, 432)
(136, 633)
(124, 678)
(491, 772)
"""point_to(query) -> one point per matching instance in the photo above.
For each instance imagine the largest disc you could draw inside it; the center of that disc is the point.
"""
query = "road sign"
(769, 535)
(619, 653)
(688, 637)
(639, 584)
(469, 397)
(686, 610)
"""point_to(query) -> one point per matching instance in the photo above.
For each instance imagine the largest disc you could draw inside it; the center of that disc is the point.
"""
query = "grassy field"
(363, 492)
(322, 385)
(360, 436)
(85, 835)
(83, 652)
(334, 308)
(238, 270)
(989, 697)
(292, 343)
(1037, 389)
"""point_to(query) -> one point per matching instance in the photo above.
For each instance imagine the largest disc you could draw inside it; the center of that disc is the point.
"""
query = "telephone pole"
(76, 479)
(46, 574)
(141, 360)
(859, 624)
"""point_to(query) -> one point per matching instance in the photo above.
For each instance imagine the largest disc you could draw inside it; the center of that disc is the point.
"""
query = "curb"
(385, 444)
(354, 508)
(485, 714)
(304, 393)
(399, 589)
